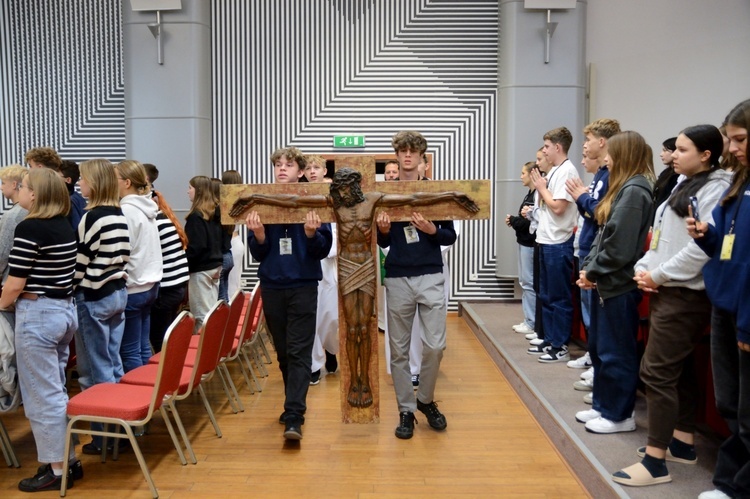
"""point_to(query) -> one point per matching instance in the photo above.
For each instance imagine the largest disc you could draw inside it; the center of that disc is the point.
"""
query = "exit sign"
(348, 141)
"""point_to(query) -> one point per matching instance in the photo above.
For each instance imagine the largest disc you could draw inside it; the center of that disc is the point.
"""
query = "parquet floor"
(492, 447)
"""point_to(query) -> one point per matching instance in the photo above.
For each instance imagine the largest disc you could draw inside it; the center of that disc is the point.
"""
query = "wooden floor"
(492, 447)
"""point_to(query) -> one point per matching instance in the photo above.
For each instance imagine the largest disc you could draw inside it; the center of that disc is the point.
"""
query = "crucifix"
(352, 201)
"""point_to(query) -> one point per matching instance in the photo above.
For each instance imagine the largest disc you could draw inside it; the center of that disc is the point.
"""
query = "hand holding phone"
(694, 208)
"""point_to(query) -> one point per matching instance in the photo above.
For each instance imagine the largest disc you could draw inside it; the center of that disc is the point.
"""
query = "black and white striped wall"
(285, 72)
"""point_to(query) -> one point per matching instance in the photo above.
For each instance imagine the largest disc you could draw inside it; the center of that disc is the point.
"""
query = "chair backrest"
(233, 321)
(252, 315)
(207, 356)
(173, 352)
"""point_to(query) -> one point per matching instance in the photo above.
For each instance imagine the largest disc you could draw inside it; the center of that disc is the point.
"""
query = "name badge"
(285, 246)
(411, 234)
(726, 247)
(655, 238)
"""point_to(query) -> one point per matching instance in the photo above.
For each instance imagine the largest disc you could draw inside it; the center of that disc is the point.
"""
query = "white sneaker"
(586, 416)
(522, 328)
(588, 374)
(584, 385)
(581, 362)
(602, 425)
(589, 398)
(535, 342)
(713, 494)
(531, 336)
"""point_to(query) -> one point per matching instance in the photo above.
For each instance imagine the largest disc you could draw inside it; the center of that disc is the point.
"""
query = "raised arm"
(246, 202)
(428, 198)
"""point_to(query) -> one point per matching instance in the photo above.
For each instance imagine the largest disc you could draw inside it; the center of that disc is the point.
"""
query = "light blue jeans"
(44, 328)
(526, 281)
(101, 324)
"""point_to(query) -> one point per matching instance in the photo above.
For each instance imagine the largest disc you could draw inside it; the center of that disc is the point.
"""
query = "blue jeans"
(614, 353)
(101, 324)
(136, 348)
(731, 369)
(290, 315)
(555, 291)
(227, 264)
(44, 328)
(526, 281)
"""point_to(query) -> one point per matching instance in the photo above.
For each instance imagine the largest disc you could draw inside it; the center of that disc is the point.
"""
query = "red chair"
(192, 377)
(132, 405)
(251, 349)
(227, 344)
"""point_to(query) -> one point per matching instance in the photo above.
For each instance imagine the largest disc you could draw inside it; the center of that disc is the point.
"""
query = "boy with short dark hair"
(289, 271)
(70, 174)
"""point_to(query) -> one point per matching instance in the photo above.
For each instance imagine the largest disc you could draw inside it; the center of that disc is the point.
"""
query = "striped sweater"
(103, 251)
(44, 253)
(175, 262)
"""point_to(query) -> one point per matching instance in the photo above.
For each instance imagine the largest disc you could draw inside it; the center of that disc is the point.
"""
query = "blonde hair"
(51, 198)
(135, 172)
(631, 156)
(14, 173)
(314, 159)
(204, 202)
(100, 175)
(602, 128)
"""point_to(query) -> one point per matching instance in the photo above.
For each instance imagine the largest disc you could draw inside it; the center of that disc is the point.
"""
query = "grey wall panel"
(294, 72)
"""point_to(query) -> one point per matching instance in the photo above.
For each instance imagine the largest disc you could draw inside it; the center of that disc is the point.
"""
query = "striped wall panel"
(63, 87)
(296, 72)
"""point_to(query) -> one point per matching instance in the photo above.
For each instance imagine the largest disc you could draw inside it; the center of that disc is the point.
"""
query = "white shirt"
(554, 229)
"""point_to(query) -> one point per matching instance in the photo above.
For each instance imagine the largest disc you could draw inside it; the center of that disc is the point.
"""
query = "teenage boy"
(557, 216)
(415, 284)
(597, 134)
(289, 271)
(70, 174)
(43, 157)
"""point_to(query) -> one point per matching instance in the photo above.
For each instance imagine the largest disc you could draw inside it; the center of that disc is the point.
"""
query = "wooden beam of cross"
(435, 200)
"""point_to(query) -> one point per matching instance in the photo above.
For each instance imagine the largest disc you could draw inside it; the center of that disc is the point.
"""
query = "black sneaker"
(315, 377)
(415, 381)
(282, 418)
(332, 364)
(293, 429)
(405, 428)
(434, 417)
(539, 349)
(45, 480)
(76, 469)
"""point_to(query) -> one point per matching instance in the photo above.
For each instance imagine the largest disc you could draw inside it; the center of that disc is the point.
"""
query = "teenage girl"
(727, 275)
(234, 278)
(144, 268)
(40, 283)
(680, 312)
(204, 250)
(624, 216)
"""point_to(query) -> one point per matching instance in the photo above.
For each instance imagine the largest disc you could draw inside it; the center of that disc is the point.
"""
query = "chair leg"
(172, 435)
(225, 386)
(7, 446)
(244, 371)
(232, 386)
(178, 421)
(210, 412)
(249, 365)
(258, 356)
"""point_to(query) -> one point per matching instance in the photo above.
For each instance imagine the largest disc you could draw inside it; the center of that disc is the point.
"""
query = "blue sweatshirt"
(728, 281)
(418, 258)
(586, 204)
(296, 270)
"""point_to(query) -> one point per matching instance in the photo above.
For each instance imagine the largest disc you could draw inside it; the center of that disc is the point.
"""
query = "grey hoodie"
(677, 260)
(145, 265)
(619, 243)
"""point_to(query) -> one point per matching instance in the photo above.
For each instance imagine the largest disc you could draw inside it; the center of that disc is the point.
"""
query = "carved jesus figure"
(354, 211)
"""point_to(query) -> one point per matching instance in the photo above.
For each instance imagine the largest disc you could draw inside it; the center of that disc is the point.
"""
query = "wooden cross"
(357, 281)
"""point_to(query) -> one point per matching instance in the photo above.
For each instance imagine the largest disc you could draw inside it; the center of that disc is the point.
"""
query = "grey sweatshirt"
(677, 261)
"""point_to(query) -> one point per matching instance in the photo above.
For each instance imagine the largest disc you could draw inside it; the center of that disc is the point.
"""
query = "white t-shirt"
(554, 229)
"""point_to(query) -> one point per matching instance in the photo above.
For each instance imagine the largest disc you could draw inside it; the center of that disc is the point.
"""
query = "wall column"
(534, 97)
(168, 107)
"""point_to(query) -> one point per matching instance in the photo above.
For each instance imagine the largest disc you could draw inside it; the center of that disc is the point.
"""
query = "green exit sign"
(348, 141)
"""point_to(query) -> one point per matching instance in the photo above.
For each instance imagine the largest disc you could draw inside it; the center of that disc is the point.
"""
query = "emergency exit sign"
(348, 141)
